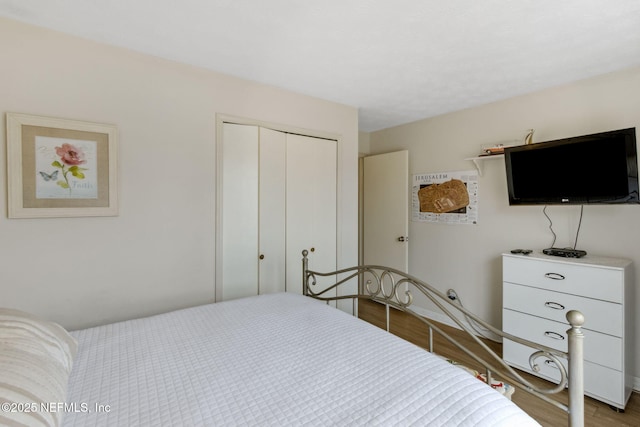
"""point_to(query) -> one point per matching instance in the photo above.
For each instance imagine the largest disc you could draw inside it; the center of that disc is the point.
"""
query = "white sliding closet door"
(239, 222)
(272, 217)
(311, 206)
(277, 197)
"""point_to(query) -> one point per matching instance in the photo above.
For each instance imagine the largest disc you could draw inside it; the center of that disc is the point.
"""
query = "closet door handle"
(554, 305)
(554, 276)
(261, 256)
(554, 335)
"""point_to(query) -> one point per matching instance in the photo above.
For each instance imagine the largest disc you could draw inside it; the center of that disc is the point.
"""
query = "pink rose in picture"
(70, 159)
(70, 155)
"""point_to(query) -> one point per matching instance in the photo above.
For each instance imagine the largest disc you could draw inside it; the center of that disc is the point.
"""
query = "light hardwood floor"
(597, 414)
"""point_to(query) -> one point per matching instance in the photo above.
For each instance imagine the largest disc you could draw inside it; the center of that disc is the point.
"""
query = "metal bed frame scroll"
(396, 289)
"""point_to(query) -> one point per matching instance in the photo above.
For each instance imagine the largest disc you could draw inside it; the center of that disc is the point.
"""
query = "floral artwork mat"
(60, 167)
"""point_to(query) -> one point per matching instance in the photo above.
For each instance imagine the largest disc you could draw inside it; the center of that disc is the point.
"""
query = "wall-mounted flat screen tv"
(600, 168)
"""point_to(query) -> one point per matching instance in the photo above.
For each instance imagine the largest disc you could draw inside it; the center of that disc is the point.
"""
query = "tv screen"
(598, 168)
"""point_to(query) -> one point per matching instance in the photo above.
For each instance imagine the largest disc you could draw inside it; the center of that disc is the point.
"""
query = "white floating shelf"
(478, 161)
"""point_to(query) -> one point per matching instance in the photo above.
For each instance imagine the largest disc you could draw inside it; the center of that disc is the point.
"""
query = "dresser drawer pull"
(554, 335)
(554, 276)
(554, 305)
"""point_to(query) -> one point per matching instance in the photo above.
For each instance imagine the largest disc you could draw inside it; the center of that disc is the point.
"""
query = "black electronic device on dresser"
(600, 168)
(564, 252)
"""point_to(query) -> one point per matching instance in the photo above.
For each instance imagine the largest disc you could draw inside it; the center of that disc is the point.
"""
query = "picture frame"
(60, 167)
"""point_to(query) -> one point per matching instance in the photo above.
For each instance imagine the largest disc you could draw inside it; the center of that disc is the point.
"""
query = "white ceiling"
(396, 61)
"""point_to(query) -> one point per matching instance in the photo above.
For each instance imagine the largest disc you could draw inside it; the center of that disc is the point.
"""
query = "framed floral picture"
(60, 168)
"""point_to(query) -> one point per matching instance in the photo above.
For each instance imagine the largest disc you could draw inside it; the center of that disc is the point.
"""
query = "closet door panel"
(272, 217)
(299, 197)
(324, 209)
(311, 206)
(239, 222)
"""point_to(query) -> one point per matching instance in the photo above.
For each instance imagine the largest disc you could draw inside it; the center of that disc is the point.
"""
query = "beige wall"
(159, 253)
(467, 258)
(364, 143)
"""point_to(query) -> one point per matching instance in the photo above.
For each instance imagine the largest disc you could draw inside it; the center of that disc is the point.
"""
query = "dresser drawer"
(598, 348)
(600, 316)
(600, 382)
(589, 281)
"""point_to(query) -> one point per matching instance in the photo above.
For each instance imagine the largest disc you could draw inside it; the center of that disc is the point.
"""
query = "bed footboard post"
(576, 368)
(305, 267)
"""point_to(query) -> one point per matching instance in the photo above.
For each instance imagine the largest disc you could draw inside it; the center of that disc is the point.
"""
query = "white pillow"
(36, 357)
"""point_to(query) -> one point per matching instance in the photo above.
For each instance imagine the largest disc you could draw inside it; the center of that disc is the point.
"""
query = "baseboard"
(636, 384)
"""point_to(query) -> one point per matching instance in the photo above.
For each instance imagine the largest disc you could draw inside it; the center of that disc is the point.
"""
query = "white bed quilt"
(276, 360)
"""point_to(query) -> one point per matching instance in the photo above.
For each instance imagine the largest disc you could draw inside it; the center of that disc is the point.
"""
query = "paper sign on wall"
(445, 197)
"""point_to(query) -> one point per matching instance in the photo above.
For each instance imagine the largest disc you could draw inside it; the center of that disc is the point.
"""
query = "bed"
(275, 359)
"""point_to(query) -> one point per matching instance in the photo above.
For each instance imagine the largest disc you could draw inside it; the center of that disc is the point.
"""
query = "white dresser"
(538, 290)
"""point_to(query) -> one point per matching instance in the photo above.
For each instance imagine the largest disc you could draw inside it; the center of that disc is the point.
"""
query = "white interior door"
(311, 206)
(386, 210)
(272, 218)
(239, 221)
